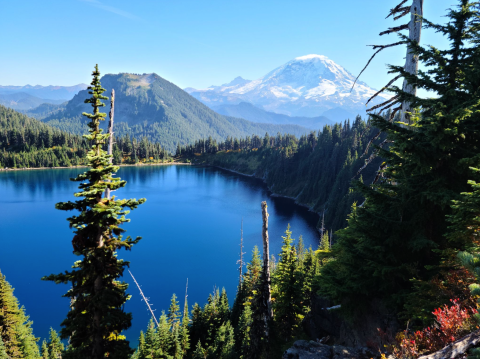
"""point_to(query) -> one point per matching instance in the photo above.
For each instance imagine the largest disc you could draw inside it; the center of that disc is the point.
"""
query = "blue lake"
(190, 227)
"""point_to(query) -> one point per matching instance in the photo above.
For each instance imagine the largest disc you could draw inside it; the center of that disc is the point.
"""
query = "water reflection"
(190, 226)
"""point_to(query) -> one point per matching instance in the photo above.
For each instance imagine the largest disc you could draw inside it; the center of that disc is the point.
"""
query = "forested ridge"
(28, 143)
(316, 169)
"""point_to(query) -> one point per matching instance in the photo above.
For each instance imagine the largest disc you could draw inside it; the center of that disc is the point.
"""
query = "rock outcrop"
(303, 349)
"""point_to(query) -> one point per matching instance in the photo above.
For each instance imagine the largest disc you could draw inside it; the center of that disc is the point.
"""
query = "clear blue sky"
(193, 43)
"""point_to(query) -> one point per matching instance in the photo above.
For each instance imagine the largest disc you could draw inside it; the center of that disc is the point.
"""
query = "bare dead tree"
(268, 316)
(145, 298)
(110, 132)
(411, 62)
(240, 261)
(414, 27)
(185, 309)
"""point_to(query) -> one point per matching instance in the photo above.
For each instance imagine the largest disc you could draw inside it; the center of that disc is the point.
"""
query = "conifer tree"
(184, 336)
(151, 346)
(224, 342)
(199, 352)
(287, 289)
(399, 232)
(254, 269)
(242, 338)
(165, 340)
(96, 317)
(173, 312)
(3, 350)
(325, 242)
(141, 353)
(44, 350)
(55, 346)
(245, 296)
(15, 329)
(307, 275)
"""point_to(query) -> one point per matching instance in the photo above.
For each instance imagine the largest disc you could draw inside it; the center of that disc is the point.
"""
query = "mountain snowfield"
(309, 85)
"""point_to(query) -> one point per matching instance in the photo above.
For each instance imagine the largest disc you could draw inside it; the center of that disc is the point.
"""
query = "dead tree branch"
(393, 99)
(144, 298)
(397, 9)
(394, 29)
(110, 138)
(383, 89)
(381, 47)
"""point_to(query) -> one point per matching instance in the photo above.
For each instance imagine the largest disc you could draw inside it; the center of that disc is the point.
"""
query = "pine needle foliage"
(96, 316)
(3, 351)
(16, 337)
(399, 232)
(287, 285)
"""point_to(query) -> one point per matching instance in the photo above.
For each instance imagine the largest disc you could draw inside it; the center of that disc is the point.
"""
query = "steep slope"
(148, 105)
(306, 86)
(252, 113)
(46, 92)
(45, 110)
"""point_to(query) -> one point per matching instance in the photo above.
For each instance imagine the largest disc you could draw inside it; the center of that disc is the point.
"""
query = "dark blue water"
(190, 226)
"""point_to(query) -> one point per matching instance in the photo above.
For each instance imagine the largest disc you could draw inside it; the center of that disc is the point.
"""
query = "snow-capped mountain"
(306, 86)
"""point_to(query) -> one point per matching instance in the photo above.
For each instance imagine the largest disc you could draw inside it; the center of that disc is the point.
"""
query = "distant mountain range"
(21, 101)
(304, 94)
(148, 105)
(307, 86)
(48, 93)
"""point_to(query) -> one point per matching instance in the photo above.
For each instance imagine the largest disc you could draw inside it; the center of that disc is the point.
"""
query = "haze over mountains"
(307, 86)
(26, 98)
(63, 93)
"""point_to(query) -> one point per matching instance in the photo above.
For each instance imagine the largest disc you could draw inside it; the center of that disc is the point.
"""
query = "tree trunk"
(411, 62)
(266, 267)
(457, 349)
(110, 132)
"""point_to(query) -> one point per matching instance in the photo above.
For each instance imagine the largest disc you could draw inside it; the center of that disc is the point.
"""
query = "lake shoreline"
(273, 194)
(83, 166)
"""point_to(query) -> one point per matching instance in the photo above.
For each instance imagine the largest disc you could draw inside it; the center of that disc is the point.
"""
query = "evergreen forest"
(401, 192)
(316, 169)
(28, 143)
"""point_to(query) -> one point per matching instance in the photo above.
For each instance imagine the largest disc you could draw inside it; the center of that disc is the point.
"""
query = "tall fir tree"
(55, 345)
(96, 317)
(399, 232)
(44, 350)
(184, 336)
(15, 328)
(165, 340)
(286, 289)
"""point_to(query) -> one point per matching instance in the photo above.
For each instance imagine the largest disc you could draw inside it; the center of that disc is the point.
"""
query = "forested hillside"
(317, 169)
(28, 143)
(149, 106)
